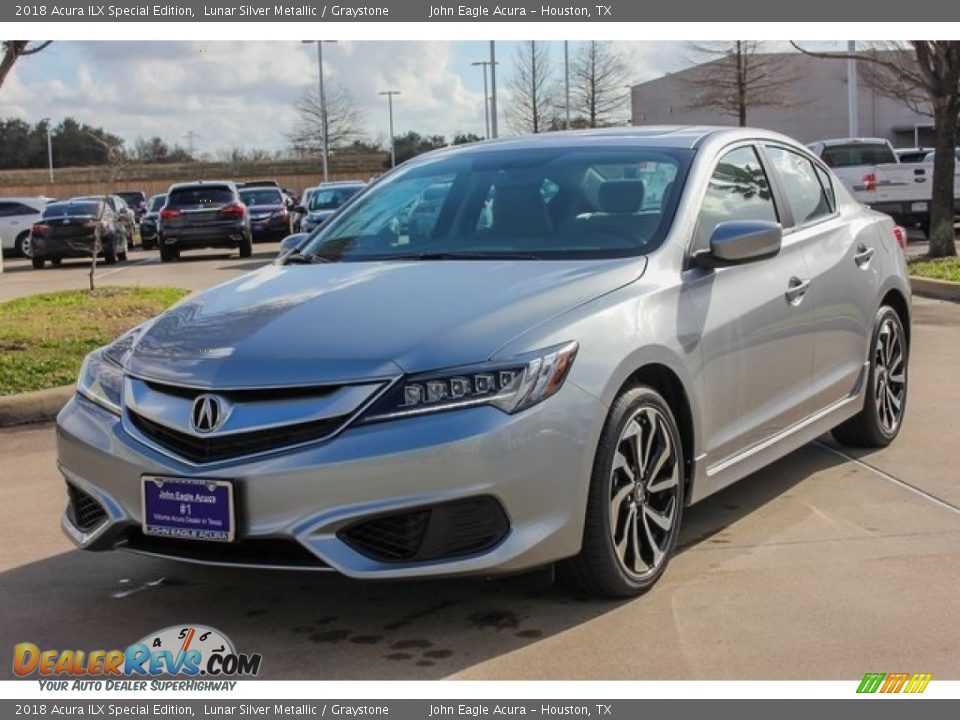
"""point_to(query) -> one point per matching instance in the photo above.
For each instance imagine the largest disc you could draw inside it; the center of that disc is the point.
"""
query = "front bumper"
(536, 465)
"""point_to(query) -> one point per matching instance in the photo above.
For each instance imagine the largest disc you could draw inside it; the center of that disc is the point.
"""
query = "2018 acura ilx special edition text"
(596, 330)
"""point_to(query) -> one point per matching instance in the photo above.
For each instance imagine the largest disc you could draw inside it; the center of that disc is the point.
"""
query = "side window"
(738, 190)
(806, 195)
(827, 185)
(7, 209)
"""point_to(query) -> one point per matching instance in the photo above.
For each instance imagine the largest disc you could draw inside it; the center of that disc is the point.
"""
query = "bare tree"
(925, 75)
(739, 75)
(533, 90)
(344, 120)
(599, 80)
(116, 160)
(13, 50)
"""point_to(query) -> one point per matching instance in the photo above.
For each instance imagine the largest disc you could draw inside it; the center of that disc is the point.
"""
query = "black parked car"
(69, 229)
(150, 221)
(136, 200)
(204, 215)
(125, 216)
(269, 216)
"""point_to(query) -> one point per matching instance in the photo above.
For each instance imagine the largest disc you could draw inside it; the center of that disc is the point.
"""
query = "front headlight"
(101, 381)
(101, 375)
(511, 385)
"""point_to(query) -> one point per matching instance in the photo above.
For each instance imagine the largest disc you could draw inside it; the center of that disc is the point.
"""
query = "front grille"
(444, 531)
(85, 512)
(248, 394)
(269, 552)
(225, 447)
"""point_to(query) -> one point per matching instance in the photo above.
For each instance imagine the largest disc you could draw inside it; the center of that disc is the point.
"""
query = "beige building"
(817, 109)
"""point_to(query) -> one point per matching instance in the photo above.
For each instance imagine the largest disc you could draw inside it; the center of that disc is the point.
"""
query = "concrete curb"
(33, 407)
(939, 289)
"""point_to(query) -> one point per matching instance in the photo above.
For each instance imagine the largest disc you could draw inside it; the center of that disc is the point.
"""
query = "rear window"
(71, 209)
(132, 198)
(200, 196)
(837, 156)
(332, 198)
(156, 202)
(261, 197)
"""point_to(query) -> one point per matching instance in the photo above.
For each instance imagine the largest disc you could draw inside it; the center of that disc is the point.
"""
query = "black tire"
(37, 263)
(22, 243)
(110, 252)
(871, 428)
(56, 262)
(246, 246)
(600, 569)
(167, 253)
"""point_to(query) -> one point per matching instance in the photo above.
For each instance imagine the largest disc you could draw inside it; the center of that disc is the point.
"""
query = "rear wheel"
(635, 502)
(878, 423)
(37, 263)
(246, 246)
(22, 244)
(110, 252)
(167, 252)
(56, 262)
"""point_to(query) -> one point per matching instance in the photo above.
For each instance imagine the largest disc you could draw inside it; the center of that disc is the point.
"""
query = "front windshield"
(261, 197)
(542, 202)
(332, 198)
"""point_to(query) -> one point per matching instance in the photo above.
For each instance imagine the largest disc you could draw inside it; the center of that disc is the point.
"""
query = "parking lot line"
(890, 478)
(125, 267)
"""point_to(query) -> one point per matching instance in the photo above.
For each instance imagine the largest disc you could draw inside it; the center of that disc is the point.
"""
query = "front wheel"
(878, 423)
(22, 244)
(37, 263)
(635, 502)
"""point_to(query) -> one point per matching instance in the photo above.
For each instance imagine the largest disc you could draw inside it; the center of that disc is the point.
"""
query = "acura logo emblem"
(209, 412)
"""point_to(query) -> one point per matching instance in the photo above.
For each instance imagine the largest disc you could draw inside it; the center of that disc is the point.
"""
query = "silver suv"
(593, 331)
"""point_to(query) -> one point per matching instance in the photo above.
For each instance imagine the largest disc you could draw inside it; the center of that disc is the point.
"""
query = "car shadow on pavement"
(324, 626)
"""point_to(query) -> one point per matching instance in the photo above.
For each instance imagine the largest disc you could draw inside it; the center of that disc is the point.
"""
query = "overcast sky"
(241, 94)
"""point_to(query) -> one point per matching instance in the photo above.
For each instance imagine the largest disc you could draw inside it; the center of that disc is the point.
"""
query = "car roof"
(26, 198)
(202, 183)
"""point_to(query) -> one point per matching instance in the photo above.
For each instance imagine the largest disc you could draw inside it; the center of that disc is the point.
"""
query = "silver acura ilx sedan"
(499, 356)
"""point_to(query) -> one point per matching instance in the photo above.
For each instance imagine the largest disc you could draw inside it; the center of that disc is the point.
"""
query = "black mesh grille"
(86, 513)
(224, 447)
(391, 538)
(454, 529)
(269, 552)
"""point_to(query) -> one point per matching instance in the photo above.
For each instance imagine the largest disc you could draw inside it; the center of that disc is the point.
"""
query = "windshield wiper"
(298, 258)
(462, 256)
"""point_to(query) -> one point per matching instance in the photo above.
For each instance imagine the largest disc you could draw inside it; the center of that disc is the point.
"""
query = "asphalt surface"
(196, 270)
(822, 566)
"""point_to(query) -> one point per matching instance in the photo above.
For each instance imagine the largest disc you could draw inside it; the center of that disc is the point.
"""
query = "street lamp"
(49, 149)
(493, 88)
(323, 105)
(486, 97)
(390, 94)
(566, 78)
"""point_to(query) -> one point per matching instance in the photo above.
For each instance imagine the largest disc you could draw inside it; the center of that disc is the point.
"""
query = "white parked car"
(17, 216)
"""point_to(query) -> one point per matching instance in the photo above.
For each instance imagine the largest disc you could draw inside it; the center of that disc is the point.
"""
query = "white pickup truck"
(871, 171)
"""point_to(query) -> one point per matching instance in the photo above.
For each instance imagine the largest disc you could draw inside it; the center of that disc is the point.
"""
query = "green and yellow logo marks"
(894, 682)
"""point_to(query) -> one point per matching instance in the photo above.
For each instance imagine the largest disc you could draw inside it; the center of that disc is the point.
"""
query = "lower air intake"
(438, 532)
(84, 512)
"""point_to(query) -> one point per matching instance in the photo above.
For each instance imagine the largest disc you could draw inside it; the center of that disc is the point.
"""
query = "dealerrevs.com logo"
(180, 650)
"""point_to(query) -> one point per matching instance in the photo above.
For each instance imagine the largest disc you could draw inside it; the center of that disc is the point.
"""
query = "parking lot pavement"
(817, 567)
(196, 270)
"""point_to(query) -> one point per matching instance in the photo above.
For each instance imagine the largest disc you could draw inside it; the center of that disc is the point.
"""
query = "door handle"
(796, 290)
(863, 256)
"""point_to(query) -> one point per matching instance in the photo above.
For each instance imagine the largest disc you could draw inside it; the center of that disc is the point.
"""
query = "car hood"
(305, 324)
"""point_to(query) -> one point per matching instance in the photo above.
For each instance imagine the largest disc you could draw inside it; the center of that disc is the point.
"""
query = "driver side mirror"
(739, 242)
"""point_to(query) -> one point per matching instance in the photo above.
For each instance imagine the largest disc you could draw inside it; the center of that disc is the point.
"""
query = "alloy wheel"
(644, 492)
(889, 375)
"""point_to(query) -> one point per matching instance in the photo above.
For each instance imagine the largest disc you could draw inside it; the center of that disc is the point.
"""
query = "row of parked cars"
(194, 215)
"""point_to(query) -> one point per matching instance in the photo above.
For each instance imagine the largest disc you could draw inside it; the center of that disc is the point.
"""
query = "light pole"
(390, 94)
(49, 151)
(493, 88)
(853, 110)
(486, 98)
(566, 77)
(323, 105)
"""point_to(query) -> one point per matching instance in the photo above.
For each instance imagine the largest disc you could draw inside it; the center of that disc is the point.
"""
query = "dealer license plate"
(188, 508)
